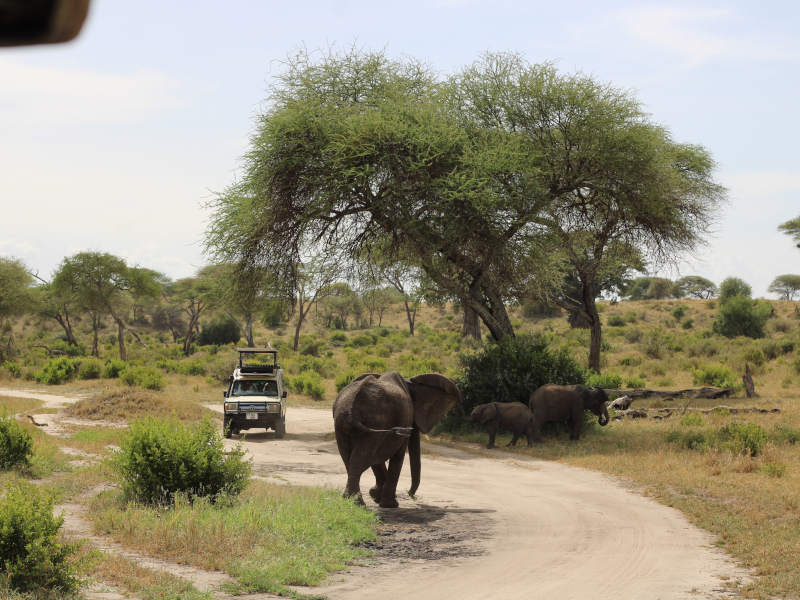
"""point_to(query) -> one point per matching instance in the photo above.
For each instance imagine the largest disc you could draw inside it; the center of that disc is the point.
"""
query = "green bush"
(30, 555)
(678, 312)
(308, 382)
(16, 444)
(338, 338)
(754, 356)
(635, 382)
(13, 369)
(143, 377)
(786, 434)
(57, 370)
(221, 332)
(630, 361)
(714, 375)
(63, 347)
(692, 419)
(688, 324)
(362, 340)
(742, 438)
(160, 458)
(510, 370)
(692, 440)
(90, 368)
(616, 321)
(741, 316)
(733, 287)
(114, 368)
(609, 381)
(344, 379)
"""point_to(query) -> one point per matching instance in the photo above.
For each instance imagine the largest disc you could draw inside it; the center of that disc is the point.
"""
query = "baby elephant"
(511, 416)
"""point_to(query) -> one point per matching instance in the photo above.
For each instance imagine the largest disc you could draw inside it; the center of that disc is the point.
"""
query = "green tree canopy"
(481, 177)
(16, 296)
(695, 286)
(786, 286)
(732, 287)
(792, 228)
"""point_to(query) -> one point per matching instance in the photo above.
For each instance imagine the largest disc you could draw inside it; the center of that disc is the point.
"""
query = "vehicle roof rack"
(257, 367)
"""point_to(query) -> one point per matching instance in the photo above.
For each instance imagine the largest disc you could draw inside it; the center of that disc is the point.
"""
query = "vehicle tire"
(280, 428)
(227, 429)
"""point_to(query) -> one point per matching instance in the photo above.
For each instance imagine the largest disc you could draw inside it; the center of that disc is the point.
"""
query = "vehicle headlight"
(273, 407)
(231, 407)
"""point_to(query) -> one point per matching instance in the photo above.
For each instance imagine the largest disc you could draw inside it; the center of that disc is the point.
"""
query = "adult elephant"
(566, 403)
(511, 416)
(376, 417)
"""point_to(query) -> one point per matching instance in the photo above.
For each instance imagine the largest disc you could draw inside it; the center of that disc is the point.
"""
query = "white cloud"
(690, 34)
(33, 94)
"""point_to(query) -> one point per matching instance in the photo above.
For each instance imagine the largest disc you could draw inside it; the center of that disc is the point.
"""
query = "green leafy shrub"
(691, 440)
(344, 379)
(312, 348)
(362, 340)
(90, 368)
(733, 287)
(220, 332)
(714, 375)
(754, 356)
(338, 338)
(159, 458)
(114, 368)
(630, 361)
(609, 381)
(143, 377)
(688, 324)
(741, 316)
(13, 369)
(742, 438)
(510, 370)
(30, 555)
(16, 444)
(63, 347)
(57, 370)
(635, 382)
(692, 419)
(308, 382)
(679, 312)
(616, 321)
(191, 367)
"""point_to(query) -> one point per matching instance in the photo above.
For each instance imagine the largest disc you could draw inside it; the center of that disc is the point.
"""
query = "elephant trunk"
(603, 420)
(414, 461)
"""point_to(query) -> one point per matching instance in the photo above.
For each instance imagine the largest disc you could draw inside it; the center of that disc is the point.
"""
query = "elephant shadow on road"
(426, 532)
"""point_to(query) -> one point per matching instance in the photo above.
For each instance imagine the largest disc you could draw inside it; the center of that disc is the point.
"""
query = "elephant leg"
(492, 428)
(536, 431)
(359, 462)
(389, 492)
(379, 470)
(576, 422)
(514, 439)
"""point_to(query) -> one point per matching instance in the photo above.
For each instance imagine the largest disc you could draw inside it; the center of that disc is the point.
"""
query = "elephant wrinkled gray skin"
(511, 416)
(566, 403)
(377, 416)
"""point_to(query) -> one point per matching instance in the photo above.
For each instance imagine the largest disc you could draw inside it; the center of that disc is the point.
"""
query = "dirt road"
(505, 527)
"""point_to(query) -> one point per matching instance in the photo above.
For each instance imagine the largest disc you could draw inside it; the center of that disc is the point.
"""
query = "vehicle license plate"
(251, 416)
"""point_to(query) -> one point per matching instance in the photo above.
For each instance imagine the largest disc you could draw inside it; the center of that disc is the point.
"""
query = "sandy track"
(528, 528)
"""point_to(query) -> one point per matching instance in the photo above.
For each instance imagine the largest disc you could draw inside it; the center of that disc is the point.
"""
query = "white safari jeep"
(256, 394)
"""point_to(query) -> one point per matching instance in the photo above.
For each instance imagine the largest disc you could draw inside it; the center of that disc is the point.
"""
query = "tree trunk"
(95, 328)
(747, 378)
(595, 326)
(67, 327)
(492, 311)
(472, 325)
(301, 315)
(123, 352)
(411, 315)
(248, 330)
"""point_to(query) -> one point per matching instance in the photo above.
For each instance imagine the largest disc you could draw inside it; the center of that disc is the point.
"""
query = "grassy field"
(751, 502)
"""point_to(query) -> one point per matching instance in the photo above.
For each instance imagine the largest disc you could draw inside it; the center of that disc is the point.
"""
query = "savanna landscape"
(429, 252)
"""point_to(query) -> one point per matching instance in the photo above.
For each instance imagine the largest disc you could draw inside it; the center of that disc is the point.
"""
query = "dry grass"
(130, 404)
(9, 405)
(145, 583)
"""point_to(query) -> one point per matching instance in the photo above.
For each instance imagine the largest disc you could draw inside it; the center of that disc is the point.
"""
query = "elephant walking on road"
(511, 416)
(566, 403)
(376, 417)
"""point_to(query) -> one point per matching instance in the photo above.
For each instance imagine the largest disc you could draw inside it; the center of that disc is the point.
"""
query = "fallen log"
(710, 393)
(663, 413)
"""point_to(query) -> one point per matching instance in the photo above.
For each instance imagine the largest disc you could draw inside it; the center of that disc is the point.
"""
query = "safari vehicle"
(256, 394)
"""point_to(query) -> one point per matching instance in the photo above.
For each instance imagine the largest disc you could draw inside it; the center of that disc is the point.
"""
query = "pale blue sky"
(114, 141)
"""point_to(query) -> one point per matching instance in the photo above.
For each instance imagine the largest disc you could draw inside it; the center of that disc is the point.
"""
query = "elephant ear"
(433, 395)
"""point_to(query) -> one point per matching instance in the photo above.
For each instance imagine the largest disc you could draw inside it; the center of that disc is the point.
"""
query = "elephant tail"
(398, 431)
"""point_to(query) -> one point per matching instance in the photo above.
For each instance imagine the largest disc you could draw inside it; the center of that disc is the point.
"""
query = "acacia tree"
(193, 296)
(311, 283)
(792, 228)
(15, 296)
(695, 286)
(473, 177)
(104, 284)
(786, 286)
(59, 305)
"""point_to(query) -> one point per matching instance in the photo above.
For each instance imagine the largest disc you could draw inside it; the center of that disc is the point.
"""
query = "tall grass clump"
(160, 458)
(714, 375)
(31, 558)
(16, 444)
(609, 381)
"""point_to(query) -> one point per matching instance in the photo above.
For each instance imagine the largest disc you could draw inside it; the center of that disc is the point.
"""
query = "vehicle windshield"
(267, 387)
